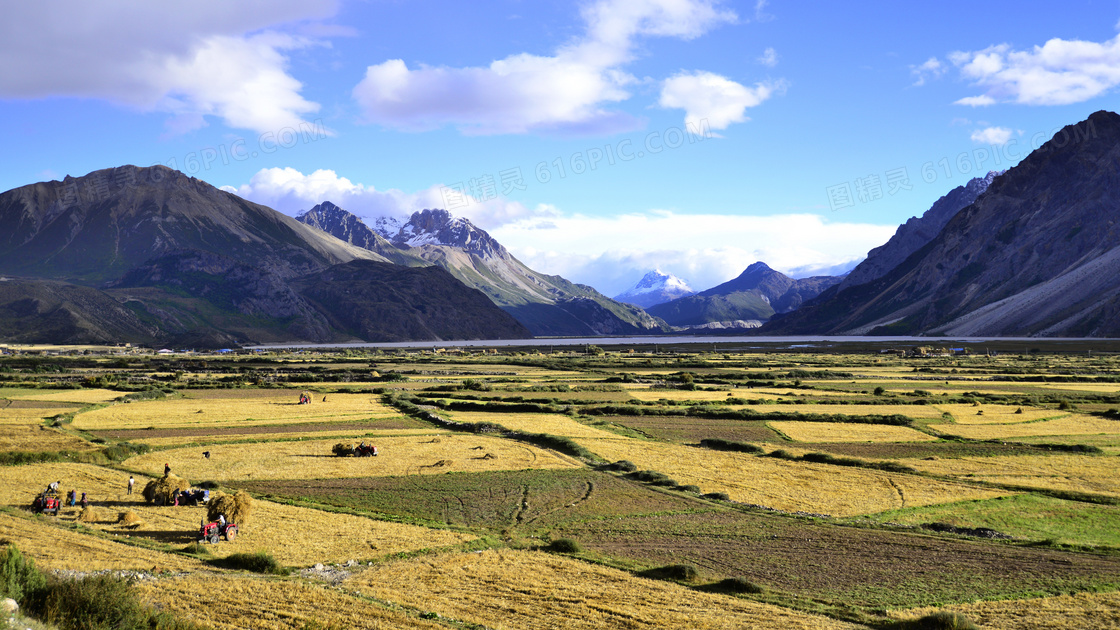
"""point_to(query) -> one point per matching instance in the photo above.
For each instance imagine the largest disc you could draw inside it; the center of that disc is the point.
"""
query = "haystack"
(237, 508)
(129, 519)
(89, 515)
(159, 490)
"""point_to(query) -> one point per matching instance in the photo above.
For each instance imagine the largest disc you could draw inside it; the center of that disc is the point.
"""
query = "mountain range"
(753, 297)
(150, 255)
(546, 305)
(1034, 255)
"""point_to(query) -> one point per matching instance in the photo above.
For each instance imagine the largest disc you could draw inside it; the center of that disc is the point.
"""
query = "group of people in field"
(71, 497)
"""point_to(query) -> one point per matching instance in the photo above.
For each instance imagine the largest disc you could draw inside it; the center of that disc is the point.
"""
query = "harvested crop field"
(206, 433)
(653, 395)
(83, 396)
(1058, 471)
(784, 485)
(420, 455)
(34, 415)
(910, 411)
(221, 602)
(1075, 424)
(236, 408)
(998, 414)
(684, 429)
(294, 535)
(849, 432)
(1062, 612)
(841, 565)
(524, 589)
(55, 547)
(526, 500)
(551, 423)
(33, 437)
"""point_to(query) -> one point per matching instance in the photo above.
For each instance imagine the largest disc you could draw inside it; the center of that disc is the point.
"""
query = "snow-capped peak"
(655, 288)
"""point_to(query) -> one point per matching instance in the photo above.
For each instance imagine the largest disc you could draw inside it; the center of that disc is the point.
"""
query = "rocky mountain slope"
(1034, 255)
(756, 294)
(185, 261)
(546, 305)
(917, 231)
(655, 288)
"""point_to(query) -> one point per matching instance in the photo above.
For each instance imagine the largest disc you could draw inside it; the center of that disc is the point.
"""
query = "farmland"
(824, 490)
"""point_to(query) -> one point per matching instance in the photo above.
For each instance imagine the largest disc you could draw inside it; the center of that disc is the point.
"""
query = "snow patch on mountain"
(656, 287)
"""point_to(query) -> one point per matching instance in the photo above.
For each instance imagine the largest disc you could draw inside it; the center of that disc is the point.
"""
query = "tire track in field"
(901, 495)
(585, 497)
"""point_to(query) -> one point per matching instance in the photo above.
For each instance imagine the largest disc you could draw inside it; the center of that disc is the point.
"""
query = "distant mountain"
(149, 255)
(348, 227)
(916, 232)
(1034, 255)
(655, 288)
(546, 305)
(756, 294)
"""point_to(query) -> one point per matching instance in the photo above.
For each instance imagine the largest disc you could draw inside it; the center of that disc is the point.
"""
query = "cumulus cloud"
(711, 97)
(570, 91)
(211, 58)
(931, 68)
(992, 135)
(291, 192)
(1059, 72)
(611, 253)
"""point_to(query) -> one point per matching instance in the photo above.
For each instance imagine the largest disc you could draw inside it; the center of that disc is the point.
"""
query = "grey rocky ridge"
(189, 262)
(546, 305)
(1034, 255)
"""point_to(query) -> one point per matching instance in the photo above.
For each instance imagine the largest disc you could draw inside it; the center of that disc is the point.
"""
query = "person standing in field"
(131, 482)
(166, 469)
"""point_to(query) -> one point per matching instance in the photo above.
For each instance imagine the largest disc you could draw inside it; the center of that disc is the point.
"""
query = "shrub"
(941, 620)
(259, 562)
(739, 585)
(622, 465)
(717, 496)
(690, 488)
(18, 575)
(717, 444)
(564, 545)
(683, 572)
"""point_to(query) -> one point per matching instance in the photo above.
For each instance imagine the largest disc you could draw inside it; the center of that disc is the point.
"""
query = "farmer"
(131, 482)
(73, 497)
(85, 501)
(221, 520)
(53, 486)
(166, 469)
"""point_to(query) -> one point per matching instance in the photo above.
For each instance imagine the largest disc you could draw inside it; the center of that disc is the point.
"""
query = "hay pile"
(342, 450)
(89, 515)
(159, 490)
(237, 508)
(129, 519)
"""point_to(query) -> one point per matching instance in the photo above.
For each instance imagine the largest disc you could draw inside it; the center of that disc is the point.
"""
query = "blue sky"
(721, 133)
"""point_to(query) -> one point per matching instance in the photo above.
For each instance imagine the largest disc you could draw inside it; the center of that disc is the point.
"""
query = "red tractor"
(212, 532)
(47, 503)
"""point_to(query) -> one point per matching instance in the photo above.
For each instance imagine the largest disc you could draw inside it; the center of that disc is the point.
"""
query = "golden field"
(1074, 424)
(551, 423)
(30, 415)
(340, 433)
(224, 601)
(848, 432)
(997, 414)
(228, 408)
(312, 459)
(785, 485)
(296, 536)
(910, 411)
(1079, 611)
(1060, 471)
(36, 437)
(83, 396)
(515, 590)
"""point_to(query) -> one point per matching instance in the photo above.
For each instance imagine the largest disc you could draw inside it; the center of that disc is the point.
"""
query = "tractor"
(47, 503)
(212, 532)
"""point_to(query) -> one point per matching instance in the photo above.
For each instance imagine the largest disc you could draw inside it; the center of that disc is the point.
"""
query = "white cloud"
(992, 135)
(611, 253)
(711, 97)
(931, 68)
(769, 58)
(187, 60)
(760, 14)
(569, 91)
(291, 192)
(1059, 72)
